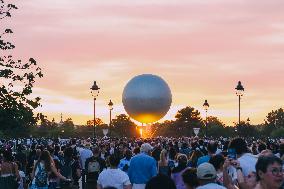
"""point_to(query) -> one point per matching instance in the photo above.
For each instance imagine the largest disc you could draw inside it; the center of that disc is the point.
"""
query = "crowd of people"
(156, 163)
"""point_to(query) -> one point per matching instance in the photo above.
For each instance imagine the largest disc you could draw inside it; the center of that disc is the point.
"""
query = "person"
(233, 176)
(193, 158)
(53, 181)
(160, 181)
(163, 164)
(218, 161)
(281, 151)
(125, 162)
(189, 178)
(269, 172)
(22, 182)
(9, 173)
(85, 153)
(206, 175)
(70, 168)
(176, 174)
(142, 167)
(75, 153)
(113, 176)
(93, 167)
(247, 160)
(42, 168)
(211, 148)
(184, 149)
(21, 157)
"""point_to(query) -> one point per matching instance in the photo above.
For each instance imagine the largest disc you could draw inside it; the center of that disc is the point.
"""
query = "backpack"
(66, 171)
(66, 168)
(93, 166)
(93, 171)
(41, 177)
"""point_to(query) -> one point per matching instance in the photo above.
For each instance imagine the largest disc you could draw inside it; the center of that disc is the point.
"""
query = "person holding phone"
(247, 160)
(240, 180)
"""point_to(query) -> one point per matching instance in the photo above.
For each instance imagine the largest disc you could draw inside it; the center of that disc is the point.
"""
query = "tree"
(17, 80)
(99, 121)
(166, 128)
(278, 133)
(187, 119)
(245, 129)
(67, 128)
(274, 120)
(123, 126)
(215, 127)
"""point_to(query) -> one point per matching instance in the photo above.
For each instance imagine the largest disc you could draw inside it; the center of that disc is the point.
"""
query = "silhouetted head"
(160, 181)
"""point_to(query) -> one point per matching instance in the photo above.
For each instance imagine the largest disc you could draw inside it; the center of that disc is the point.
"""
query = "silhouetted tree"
(215, 128)
(17, 80)
(245, 129)
(123, 126)
(274, 120)
(187, 119)
(99, 122)
(165, 128)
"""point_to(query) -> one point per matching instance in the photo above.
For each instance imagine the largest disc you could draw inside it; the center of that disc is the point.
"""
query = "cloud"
(201, 48)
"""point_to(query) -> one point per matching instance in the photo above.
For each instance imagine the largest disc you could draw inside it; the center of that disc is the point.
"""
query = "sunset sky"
(201, 48)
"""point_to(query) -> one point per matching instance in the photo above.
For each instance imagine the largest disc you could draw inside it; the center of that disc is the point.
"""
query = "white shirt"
(113, 177)
(247, 163)
(84, 155)
(211, 186)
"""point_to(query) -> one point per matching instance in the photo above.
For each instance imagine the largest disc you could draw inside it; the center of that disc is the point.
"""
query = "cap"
(206, 171)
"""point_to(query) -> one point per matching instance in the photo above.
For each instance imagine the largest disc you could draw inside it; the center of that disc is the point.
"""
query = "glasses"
(276, 171)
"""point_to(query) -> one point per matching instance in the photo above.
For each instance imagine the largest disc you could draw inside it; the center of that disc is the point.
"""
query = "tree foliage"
(17, 80)
(187, 119)
(123, 126)
(274, 121)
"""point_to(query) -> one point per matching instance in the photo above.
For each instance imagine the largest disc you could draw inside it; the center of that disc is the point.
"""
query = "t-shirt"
(211, 186)
(247, 163)
(118, 178)
(124, 165)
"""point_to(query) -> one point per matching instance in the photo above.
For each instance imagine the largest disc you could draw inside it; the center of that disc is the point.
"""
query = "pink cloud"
(202, 48)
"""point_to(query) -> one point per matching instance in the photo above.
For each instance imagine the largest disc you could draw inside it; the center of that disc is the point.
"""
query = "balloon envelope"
(147, 98)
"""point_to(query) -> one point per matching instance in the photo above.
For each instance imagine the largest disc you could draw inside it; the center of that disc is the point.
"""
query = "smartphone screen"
(232, 153)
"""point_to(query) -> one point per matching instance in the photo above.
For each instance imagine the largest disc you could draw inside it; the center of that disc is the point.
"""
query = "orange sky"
(201, 48)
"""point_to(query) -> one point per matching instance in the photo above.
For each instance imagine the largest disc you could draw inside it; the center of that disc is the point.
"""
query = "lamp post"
(110, 105)
(248, 120)
(206, 106)
(239, 92)
(95, 93)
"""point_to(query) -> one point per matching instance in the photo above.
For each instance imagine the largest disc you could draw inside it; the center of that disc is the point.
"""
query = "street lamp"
(239, 92)
(95, 93)
(248, 120)
(206, 106)
(110, 105)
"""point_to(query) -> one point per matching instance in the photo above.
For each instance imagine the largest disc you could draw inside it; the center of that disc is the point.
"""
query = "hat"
(206, 171)
(146, 147)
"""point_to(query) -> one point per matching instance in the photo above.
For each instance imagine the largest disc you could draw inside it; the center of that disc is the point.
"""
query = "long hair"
(46, 158)
(163, 157)
(194, 157)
